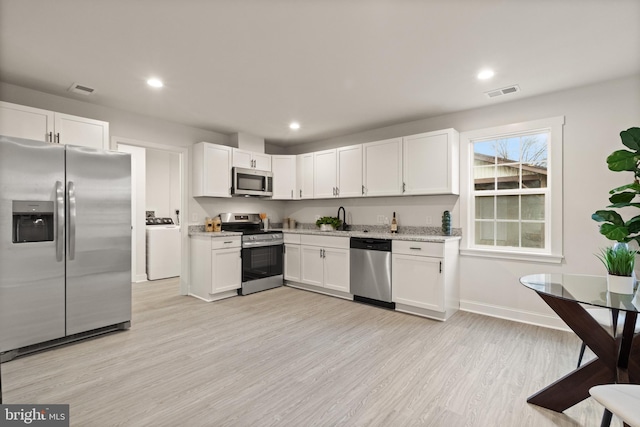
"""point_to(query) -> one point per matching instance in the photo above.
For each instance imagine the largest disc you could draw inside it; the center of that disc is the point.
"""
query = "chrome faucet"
(344, 225)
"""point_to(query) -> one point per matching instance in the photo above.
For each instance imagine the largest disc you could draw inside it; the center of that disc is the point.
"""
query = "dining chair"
(604, 316)
(623, 400)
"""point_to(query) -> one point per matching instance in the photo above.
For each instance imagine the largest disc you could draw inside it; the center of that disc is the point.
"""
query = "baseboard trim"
(507, 313)
(140, 278)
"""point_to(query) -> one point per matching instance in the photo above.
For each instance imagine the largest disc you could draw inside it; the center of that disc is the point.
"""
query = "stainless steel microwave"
(251, 182)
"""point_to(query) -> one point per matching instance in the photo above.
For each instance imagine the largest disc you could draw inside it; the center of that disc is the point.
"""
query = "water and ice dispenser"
(33, 221)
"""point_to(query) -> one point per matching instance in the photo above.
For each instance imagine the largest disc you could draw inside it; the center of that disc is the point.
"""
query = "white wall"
(594, 117)
(162, 183)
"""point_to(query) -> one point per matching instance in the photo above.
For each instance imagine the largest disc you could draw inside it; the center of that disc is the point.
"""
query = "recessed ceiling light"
(485, 74)
(155, 82)
(294, 126)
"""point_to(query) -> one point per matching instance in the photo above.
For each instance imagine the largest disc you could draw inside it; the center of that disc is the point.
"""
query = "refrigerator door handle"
(60, 225)
(71, 190)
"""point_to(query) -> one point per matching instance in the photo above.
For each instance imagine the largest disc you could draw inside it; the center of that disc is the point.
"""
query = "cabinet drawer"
(291, 238)
(225, 242)
(325, 241)
(432, 249)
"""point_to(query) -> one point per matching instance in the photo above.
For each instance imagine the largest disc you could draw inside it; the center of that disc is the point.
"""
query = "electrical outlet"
(386, 220)
(194, 217)
(380, 219)
(429, 220)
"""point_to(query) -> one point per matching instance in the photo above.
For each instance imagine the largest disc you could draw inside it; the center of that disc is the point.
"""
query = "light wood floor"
(294, 358)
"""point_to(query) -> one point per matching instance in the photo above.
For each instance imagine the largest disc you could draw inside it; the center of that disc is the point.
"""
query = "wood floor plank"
(288, 357)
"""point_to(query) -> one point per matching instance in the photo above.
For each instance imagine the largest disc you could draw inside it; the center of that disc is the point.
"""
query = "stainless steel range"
(262, 252)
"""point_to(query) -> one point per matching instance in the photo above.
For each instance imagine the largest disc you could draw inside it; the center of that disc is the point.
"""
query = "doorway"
(159, 185)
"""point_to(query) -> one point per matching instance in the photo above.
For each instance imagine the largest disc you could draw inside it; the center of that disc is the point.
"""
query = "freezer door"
(98, 238)
(31, 269)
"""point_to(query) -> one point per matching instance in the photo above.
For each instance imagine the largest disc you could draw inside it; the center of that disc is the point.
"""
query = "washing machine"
(163, 248)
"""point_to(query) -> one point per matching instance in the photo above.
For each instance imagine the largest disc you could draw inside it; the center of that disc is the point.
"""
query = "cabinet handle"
(324, 253)
(337, 191)
(301, 193)
(363, 190)
(50, 136)
(320, 253)
(226, 243)
(404, 187)
(58, 138)
(415, 249)
(440, 266)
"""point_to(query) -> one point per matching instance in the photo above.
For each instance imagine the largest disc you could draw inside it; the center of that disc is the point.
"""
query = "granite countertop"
(223, 234)
(373, 235)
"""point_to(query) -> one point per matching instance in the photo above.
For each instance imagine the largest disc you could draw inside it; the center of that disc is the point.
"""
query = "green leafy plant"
(619, 260)
(335, 222)
(613, 226)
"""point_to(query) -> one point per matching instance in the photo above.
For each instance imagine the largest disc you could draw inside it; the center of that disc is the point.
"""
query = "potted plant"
(328, 223)
(613, 227)
(619, 261)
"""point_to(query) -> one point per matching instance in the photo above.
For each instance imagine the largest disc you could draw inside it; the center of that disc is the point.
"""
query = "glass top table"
(617, 357)
(585, 289)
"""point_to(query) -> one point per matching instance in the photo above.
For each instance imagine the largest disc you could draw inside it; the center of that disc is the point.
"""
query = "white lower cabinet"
(216, 267)
(425, 278)
(324, 262)
(292, 257)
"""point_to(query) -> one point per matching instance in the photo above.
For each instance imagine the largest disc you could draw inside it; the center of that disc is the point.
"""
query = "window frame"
(553, 192)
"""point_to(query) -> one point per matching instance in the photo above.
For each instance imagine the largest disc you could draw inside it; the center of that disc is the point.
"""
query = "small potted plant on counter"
(619, 261)
(328, 223)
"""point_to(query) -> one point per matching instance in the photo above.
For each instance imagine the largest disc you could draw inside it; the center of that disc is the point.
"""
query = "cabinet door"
(20, 121)
(349, 171)
(311, 265)
(292, 262)
(226, 270)
(417, 281)
(74, 130)
(324, 179)
(382, 168)
(217, 171)
(305, 175)
(242, 159)
(336, 269)
(284, 177)
(428, 163)
(262, 161)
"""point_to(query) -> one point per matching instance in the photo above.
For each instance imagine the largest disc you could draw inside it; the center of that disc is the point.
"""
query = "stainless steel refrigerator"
(65, 243)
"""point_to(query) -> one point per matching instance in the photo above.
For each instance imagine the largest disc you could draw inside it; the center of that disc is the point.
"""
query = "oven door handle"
(261, 244)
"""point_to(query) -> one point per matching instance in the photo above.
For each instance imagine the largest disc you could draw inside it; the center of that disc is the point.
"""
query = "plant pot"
(620, 284)
(326, 227)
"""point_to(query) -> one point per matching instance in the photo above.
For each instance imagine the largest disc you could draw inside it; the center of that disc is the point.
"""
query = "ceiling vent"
(83, 89)
(503, 91)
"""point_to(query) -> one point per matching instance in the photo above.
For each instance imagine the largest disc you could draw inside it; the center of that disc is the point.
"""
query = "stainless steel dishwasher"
(370, 277)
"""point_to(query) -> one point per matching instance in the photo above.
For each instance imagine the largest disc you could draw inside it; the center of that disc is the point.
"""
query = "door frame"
(184, 198)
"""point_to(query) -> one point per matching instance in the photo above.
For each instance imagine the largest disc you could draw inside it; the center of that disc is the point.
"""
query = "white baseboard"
(507, 313)
(140, 278)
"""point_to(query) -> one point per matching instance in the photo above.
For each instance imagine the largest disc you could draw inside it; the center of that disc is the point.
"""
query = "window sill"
(511, 255)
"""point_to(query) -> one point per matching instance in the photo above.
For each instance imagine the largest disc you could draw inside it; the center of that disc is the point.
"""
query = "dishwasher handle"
(370, 244)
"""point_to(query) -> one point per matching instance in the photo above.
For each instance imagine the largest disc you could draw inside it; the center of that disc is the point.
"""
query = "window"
(513, 203)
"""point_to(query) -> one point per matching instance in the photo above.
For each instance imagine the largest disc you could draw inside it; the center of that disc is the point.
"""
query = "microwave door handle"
(71, 190)
(60, 224)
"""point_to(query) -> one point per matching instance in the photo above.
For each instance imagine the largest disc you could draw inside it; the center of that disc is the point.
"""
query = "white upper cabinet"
(42, 125)
(382, 168)
(284, 177)
(304, 176)
(211, 165)
(349, 167)
(430, 163)
(74, 130)
(324, 180)
(251, 160)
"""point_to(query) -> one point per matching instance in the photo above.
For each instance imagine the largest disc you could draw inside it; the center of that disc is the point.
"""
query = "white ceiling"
(337, 67)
